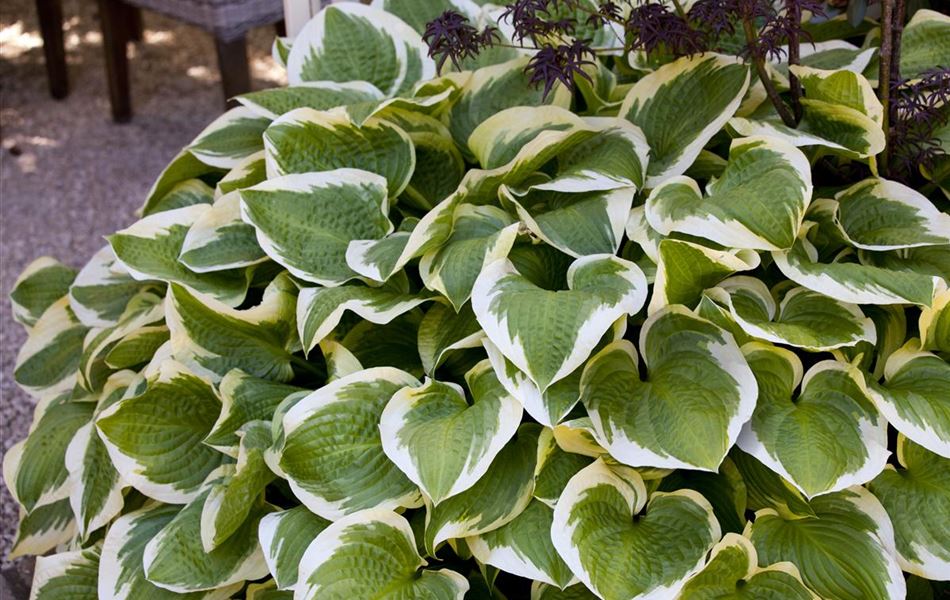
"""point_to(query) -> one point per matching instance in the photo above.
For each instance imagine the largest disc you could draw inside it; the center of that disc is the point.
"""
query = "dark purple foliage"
(918, 108)
(450, 36)
(652, 27)
(533, 18)
(553, 64)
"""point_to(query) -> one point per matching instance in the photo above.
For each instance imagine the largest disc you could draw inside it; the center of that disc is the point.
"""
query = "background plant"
(585, 315)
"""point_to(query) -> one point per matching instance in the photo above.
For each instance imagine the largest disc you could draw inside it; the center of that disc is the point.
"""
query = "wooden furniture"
(227, 20)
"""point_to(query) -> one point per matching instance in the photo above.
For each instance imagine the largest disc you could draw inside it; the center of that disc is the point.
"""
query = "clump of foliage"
(614, 327)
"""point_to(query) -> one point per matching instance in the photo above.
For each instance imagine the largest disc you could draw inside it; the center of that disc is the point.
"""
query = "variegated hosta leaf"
(846, 553)
(211, 338)
(43, 529)
(232, 498)
(305, 221)
(285, 536)
(492, 89)
(419, 12)
(543, 591)
(823, 439)
(758, 202)
(393, 344)
(523, 547)
(319, 309)
(149, 251)
(439, 164)
(733, 572)
(840, 112)
(681, 105)
(803, 318)
(33, 468)
(498, 139)
(137, 347)
(174, 558)
(923, 45)
(155, 438)
(372, 554)
(688, 412)
(725, 490)
(358, 43)
(46, 363)
(244, 398)
(307, 141)
(218, 240)
(917, 498)
(189, 192)
(480, 235)
(577, 436)
(767, 489)
(442, 441)
(442, 330)
(230, 138)
(599, 531)
(495, 500)
(853, 282)
(121, 575)
(67, 575)
(578, 224)
(548, 334)
(915, 396)
(250, 171)
(183, 167)
(684, 269)
(318, 95)
(101, 290)
(332, 453)
(934, 323)
(42, 282)
(879, 214)
(555, 468)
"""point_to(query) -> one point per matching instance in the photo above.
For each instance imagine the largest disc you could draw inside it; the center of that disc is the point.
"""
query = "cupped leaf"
(846, 552)
(305, 221)
(318, 95)
(523, 547)
(137, 347)
(101, 290)
(555, 468)
(480, 235)
(211, 338)
(67, 575)
(803, 318)
(174, 558)
(308, 141)
(320, 309)
(823, 439)
(150, 248)
(495, 500)
(183, 167)
(548, 334)
(915, 396)
(616, 551)
(332, 453)
(916, 495)
(155, 438)
(733, 572)
(689, 410)
(357, 43)
(767, 489)
(934, 323)
(681, 105)
(684, 269)
(848, 281)
(758, 203)
(42, 282)
(230, 138)
(218, 240)
(47, 363)
(443, 330)
(443, 441)
(372, 554)
(285, 536)
(879, 214)
(244, 398)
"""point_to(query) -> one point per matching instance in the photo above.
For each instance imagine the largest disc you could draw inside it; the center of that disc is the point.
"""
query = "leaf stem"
(679, 9)
(884, 76)
(794, 12)
(787, 117)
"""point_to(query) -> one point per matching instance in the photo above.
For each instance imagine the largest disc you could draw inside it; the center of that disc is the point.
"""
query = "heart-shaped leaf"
(618, 552)
(689, 411)
(285, 536)
(547, 334)
(440, 441)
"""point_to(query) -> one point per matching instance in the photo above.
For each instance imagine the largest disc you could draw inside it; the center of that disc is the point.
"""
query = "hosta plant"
(413, 327)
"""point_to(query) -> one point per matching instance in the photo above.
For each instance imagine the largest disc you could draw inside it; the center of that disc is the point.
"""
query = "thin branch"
(759, 61)
(884, 76)
(793, 10)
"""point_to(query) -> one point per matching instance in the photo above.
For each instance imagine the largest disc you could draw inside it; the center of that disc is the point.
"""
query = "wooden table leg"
(51, 28)
(232, 62)
(115, 38)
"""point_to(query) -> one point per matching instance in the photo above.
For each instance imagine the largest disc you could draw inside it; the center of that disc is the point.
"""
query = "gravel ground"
(69, 176)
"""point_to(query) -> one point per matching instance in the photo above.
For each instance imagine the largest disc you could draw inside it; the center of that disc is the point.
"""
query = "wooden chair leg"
(232, 62)
(136, 28)
(51, 27)
(115, 38)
